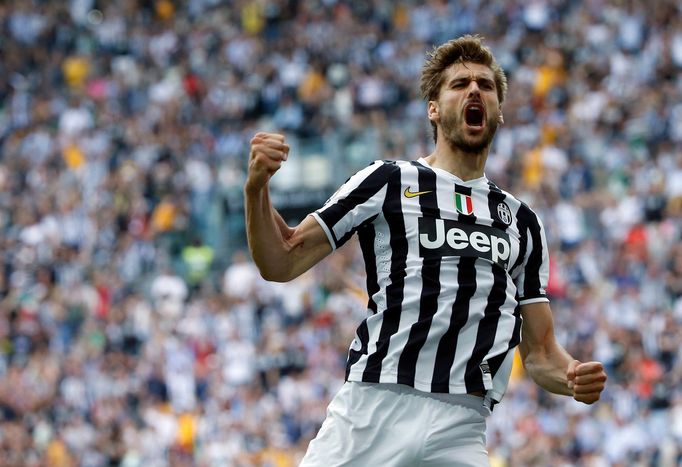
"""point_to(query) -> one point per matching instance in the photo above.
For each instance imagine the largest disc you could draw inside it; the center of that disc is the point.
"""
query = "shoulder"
(492, 186)
(398, 166)
(383, 168)
(525, 214)
(394, 165)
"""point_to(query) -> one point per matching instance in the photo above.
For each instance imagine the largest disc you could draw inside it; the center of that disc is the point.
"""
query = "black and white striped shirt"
(448, 264)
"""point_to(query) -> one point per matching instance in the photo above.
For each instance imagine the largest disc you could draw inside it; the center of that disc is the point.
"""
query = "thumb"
(570, 372)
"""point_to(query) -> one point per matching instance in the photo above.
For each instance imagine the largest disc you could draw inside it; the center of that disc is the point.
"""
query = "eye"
(487, 85)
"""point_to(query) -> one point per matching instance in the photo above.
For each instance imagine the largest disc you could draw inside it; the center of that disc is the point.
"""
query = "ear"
(433, 111)
(500, 117)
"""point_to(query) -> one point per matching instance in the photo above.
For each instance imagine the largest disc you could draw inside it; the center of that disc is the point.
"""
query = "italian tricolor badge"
(464, 204)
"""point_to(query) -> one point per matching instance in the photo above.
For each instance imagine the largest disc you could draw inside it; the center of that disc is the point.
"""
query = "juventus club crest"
(504, 213)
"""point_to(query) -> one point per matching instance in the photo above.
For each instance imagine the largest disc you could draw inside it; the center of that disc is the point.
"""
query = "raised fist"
(268, 151)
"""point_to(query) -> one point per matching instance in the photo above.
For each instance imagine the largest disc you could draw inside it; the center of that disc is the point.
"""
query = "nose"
(473, 89)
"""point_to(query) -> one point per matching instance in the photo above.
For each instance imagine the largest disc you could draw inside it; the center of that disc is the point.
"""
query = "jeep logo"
(445, 237)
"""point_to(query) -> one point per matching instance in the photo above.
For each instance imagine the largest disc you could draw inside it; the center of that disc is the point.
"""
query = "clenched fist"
(586, 380)
(268, 151)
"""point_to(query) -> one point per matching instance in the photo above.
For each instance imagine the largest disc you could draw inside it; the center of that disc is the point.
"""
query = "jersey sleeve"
(357, 202)
(532, 281)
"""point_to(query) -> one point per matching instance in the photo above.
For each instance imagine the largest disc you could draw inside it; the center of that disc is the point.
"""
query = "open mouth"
(474, 115)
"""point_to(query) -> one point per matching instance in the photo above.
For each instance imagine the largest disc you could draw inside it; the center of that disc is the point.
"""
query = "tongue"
(473, 116)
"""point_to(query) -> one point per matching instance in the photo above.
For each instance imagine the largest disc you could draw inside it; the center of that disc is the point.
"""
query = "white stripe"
(506, 323)
(514, 206)
(521, 278)
(327, 232)
(544, 268)
(533, 300)
(382, 253)
(501, 379)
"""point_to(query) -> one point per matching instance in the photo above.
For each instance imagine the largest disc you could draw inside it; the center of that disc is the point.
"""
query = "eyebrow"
(482, 79)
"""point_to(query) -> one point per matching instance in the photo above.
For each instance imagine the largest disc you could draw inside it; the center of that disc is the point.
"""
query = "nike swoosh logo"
(413, 194)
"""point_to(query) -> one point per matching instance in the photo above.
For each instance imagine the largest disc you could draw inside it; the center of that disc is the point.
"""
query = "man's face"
(467, 108)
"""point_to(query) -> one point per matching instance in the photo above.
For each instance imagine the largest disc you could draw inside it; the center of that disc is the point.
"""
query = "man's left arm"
(548, 363)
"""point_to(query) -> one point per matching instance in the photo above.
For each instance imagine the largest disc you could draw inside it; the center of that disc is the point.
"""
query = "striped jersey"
(448, 263)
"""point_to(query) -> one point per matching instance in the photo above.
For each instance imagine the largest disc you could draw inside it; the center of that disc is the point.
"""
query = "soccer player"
(456, 277)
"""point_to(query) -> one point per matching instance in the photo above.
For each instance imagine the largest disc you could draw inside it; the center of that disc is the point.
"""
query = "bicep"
(308, 245)
(538, 328)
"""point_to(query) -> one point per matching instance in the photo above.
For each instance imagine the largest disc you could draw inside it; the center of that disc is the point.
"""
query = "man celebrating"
(456, 277)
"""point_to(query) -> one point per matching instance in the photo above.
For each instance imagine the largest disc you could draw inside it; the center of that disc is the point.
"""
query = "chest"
(450, 221)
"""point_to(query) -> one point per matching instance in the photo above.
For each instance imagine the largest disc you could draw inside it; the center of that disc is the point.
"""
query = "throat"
(465, 166)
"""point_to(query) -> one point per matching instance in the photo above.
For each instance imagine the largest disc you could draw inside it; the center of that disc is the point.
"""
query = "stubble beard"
(458, 140)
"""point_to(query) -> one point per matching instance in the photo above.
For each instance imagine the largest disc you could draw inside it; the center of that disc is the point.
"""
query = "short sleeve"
(531, 283)
(357, 202)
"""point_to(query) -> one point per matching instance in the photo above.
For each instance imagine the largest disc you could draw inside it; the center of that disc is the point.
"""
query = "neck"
(464, 165)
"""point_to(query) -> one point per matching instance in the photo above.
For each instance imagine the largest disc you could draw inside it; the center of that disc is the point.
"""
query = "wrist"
(252, 188)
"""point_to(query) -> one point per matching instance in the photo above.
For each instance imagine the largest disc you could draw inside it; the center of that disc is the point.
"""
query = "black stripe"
(354, 355)
(445, 355)
(430, 273)
(495, 198)
(487, 328)
(463, 189)
(531, 282)
(367, 237)
(392, 210)
(363, 192)
(494, 187)
(496, 362)
(518, 321)
(351, 232)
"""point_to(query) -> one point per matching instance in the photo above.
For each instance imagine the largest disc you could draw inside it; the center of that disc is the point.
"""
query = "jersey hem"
(534, 300)
(418, 385)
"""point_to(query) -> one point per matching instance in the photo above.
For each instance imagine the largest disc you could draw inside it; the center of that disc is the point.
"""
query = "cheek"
(449, 113)
(448, 121)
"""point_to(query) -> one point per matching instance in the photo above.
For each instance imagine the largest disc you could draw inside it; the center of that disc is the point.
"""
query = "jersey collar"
(481, 181)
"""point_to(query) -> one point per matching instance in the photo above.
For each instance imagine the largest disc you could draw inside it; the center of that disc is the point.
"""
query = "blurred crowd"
(135, 330)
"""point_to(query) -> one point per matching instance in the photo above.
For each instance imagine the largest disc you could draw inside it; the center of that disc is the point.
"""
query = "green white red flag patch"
(464, 204)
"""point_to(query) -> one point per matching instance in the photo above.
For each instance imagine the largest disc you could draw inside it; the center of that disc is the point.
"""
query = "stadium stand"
(135, 331)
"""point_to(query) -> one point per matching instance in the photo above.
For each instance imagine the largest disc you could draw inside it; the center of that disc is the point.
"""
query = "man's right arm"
(280, 252)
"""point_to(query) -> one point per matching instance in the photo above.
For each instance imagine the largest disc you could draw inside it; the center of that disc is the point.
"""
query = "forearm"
(548, 363)
(547, 367)
(265, 235)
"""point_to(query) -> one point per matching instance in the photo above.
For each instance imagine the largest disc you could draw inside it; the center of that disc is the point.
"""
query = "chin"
(470, 145)
(460, 140)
